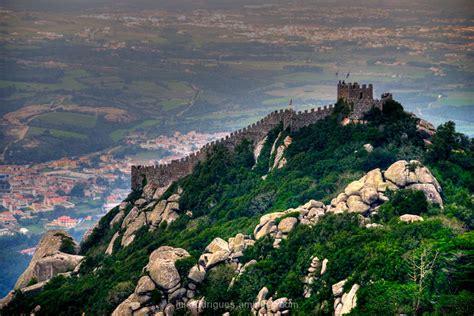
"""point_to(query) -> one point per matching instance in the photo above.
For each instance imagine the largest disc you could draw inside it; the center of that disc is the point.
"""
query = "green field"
(68, 118)
(35, 131)
(173, 104)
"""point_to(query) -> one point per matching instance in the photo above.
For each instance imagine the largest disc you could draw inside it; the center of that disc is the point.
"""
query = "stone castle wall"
(162, 175)
(360, 98)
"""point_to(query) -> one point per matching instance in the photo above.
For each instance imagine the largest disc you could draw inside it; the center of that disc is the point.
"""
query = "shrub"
(401, 202)
(67, 245)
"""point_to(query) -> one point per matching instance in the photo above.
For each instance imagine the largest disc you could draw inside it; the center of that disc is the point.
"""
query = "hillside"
(367, 217)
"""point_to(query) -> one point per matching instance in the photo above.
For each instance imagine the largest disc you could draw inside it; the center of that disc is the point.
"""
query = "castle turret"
(353, 92)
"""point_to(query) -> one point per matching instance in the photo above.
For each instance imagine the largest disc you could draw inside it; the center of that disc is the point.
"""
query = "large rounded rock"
(265, 229)
(374, 178)
(369, 195)
(423, 175)
(195, 306)
(155, 216)
(216, 258)
(127, 307)
(218, 244)
(356, 205)
(313, 203)
(286, 225)
(145, 285)
(349, 300)
(132, 228)
(398, 173)
(148, 191)
(237, 243)
(110, 247)
(338, 288)
(354, 188)
(197, 273)
(130, 217)
(162, 267)
(164, 274)
(171, 212)
(117, 218)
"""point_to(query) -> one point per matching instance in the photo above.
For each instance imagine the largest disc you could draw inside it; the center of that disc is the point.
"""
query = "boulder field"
(362, 196)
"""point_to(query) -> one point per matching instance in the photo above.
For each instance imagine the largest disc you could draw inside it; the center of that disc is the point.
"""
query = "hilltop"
(367, 212)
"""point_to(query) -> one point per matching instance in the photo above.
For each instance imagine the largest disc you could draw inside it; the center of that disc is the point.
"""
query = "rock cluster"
(427, 130)
(361, 196)
(316, 269)
(277, 225)
(311, 212)
(220, 251)
(413, 175)
(364, 195)
(48, 260)
(344, 302)
(146, 210)
(161, 277)
(258, 148)
(269, 306)
(280, 161)
(164, 211)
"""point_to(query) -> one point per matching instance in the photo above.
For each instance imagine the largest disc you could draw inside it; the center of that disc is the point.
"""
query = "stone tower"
(353, 92)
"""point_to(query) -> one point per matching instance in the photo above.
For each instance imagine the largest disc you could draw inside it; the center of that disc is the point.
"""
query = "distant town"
(74, 193)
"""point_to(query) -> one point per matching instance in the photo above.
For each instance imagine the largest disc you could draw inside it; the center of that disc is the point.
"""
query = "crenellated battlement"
(353, 92)
(164, 174)
(360, 97)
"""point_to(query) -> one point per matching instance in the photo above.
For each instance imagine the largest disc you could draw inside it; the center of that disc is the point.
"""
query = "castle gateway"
(159, 176)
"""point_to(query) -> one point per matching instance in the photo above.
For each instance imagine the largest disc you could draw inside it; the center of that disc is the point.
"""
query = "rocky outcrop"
(278, 225)
(264, 306)
(258, 148)
(415, 176)
(164, 211)
(426, 129)
(147, 210)
(280, 161)
(409, 218)
(110, 247)
(132, 223)
(163, 277)
(316, 270)
(364, 195)
(48, 260)
(344, 302)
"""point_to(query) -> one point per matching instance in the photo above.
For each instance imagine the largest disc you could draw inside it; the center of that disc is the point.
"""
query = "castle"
(359, 97)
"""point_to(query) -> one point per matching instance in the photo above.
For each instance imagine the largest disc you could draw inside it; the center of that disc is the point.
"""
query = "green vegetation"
(33, 281)
(67, 244)
(67, 118)
(403, 202)
(57, 133)
(227, 195)
(173, 104)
